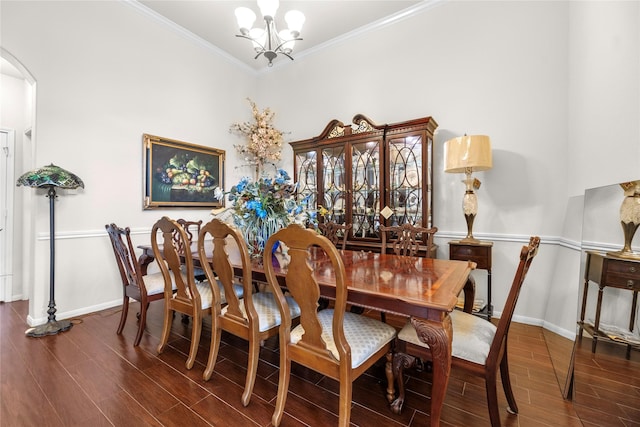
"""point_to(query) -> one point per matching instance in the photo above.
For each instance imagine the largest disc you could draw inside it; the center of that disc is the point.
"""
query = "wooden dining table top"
(405, 285)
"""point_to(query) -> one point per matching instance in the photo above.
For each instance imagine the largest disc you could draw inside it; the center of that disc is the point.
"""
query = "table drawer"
(622, 274)
(478, 254)
(618, 281)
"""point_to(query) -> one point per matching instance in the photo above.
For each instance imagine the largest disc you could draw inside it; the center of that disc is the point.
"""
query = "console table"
(604, 270)
(479, 252)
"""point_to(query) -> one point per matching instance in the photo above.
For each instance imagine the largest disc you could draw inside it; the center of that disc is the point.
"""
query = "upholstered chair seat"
(365, 335)
(472, 336)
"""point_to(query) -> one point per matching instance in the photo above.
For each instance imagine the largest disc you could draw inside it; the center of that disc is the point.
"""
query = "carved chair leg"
(123, 315)
(388, 370)
(492, 401)
(139, 314)
(506, 385)
(400, 362)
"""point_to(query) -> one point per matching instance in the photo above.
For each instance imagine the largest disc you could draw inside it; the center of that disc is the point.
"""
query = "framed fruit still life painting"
(178, 174)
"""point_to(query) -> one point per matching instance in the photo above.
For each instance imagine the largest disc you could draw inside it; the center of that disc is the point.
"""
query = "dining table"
(418, 287)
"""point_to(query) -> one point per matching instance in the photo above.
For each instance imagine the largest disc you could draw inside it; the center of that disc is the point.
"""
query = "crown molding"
(376, 25)
(144, 10)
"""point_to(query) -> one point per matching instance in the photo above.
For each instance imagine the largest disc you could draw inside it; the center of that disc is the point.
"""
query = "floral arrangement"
(262, 207)
(264, 141)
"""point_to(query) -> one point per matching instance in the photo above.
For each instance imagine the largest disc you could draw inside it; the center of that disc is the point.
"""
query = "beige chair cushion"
(364, 334)
(472, 336)
(155, 283)
(206, 295)
(237, 289)
(267, 309)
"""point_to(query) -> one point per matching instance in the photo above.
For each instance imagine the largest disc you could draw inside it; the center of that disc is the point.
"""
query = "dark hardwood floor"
(91, 376)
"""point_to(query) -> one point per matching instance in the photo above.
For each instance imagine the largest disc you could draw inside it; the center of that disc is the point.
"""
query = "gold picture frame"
(179, 174)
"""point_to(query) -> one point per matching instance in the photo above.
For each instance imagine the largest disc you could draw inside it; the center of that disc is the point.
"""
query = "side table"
(479, 252)
(613, 272)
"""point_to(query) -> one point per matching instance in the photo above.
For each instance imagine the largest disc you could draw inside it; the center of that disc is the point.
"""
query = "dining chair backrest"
(213, 244)
(191, 298)
(125, 258)
(336, 233)
(167, 239)
(191, 229)
(498, 345)
(143, 289)
(326, 341)
(253, 316)
(408, 239)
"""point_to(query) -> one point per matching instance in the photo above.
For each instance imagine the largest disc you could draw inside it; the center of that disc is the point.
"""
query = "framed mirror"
(606, 371)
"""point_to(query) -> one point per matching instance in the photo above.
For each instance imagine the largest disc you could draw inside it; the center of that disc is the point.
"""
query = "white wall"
(506, 69)
(604, 93)
(107, 74)
(502, 72)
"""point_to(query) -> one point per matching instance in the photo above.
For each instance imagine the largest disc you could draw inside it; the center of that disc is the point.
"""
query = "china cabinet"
(368, 175)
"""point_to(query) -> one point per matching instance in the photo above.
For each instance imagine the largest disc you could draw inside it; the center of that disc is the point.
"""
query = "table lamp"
(466, 154)
(629, 218)
(50, 177)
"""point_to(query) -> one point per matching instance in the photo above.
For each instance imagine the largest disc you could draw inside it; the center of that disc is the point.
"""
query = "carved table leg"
(438, 335)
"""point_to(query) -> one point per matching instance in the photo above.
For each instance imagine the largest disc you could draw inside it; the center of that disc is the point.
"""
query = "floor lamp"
(50, 177)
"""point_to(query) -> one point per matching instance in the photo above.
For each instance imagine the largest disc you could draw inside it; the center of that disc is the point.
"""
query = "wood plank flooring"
(91, 376)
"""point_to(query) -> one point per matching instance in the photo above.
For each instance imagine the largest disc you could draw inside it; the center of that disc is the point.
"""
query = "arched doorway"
(17, 137)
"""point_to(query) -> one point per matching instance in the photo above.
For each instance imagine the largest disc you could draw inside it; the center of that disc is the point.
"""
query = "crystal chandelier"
(268, 41)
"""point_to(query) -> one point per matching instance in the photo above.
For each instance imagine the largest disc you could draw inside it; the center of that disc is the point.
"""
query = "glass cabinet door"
(306, 166)
(406, 180)
(333, 184)
(365, 188)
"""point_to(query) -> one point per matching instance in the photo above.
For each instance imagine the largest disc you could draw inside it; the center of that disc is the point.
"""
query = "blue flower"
(262, 207)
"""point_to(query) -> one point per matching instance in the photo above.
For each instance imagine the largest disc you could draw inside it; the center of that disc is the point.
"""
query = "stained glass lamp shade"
(50, 177)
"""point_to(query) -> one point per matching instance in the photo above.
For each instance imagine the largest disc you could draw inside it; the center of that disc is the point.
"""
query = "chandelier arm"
(252, 40)
(279, 48)
(287, 55)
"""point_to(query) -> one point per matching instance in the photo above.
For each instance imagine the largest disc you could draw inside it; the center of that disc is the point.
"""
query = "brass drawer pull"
(632, 269)
(630, 284)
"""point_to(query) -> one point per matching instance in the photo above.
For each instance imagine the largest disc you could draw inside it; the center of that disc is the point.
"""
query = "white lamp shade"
(268, 7)
(467, 153)
(288, 41)
(245, 17)
(295, 20)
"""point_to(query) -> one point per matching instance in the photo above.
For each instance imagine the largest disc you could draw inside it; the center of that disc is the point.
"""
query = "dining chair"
(191, 298)
(254, 317)
(333, 342)
(142, 288)
(479, 347)
(337, 233)
(408, 239)
(192, 229)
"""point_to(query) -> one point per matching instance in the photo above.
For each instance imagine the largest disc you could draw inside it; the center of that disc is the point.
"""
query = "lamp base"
(469, 240)
(52, 327)
(625, 255)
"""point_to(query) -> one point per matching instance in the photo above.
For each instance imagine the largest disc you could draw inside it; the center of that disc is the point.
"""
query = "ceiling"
(327, 21)
(212, 23)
